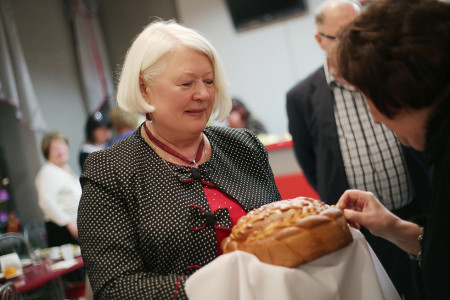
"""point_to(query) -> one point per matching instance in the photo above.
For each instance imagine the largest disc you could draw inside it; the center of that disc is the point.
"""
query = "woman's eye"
(209, 82)
(187, 84)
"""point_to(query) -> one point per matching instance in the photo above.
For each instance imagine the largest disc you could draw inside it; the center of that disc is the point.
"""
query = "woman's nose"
(202, 92)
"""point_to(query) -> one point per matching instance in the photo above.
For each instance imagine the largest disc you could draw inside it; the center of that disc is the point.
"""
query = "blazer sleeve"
(112, 256)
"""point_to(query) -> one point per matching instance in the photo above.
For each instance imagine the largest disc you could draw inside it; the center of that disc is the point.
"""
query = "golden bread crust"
(290, 232)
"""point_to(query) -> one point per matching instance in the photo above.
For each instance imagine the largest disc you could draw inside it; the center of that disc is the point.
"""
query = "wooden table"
(38, 275)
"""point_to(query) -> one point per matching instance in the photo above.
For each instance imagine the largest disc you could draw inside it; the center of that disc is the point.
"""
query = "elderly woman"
(403, 67)
(157, 204)
(59, 190)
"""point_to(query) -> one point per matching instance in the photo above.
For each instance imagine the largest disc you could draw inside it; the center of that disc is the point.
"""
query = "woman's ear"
(144, 87)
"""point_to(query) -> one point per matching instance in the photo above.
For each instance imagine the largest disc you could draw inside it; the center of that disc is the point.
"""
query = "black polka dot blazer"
(137, 213)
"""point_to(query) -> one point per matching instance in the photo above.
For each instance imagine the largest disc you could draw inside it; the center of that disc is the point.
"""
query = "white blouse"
(59, 194)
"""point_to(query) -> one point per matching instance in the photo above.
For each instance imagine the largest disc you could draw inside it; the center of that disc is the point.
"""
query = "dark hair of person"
(397, 52)
(47, 140)
(94, 121)
(239, 107)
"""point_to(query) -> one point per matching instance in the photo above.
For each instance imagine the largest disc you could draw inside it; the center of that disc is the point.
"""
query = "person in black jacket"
(403, 68)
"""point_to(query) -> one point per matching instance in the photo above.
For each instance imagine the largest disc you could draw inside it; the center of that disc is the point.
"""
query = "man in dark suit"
(339, 146)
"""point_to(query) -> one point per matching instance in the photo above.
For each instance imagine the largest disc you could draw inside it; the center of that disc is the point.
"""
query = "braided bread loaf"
(290, 232)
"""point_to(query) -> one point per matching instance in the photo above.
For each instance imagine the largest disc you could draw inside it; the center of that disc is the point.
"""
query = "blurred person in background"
(124, 123)
(59, 193)
(97, 134)
(241, 117)
(59, 190)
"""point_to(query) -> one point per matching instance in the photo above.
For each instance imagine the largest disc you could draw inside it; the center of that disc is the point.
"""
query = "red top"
(218, 200)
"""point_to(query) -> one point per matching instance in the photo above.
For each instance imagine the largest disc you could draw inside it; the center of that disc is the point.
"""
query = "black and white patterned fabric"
(135, 214)
(371, 153)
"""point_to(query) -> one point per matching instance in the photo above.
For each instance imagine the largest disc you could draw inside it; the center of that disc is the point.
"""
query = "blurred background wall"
(262, 63)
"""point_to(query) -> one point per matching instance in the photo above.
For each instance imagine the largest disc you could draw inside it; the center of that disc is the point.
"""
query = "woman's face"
(235, 120)
(58, 153)
(183, 95)
(102, 135)
(409, 125)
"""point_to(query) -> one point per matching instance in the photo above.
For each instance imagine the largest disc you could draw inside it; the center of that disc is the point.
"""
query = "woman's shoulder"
(232, 137)
(222, 132)
(133, 142)
(49, 169)
(52, 173)
(124, 154)
(46, 170)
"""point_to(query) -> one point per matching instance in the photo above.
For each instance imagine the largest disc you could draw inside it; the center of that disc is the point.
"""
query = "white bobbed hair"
(146, 57)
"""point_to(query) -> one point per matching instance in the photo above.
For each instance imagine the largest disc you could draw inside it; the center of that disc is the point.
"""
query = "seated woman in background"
(59, 191)
(240, 117)
(156, 206)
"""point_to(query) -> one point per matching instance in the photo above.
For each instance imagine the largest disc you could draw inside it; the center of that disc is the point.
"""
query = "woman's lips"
(195, 111)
